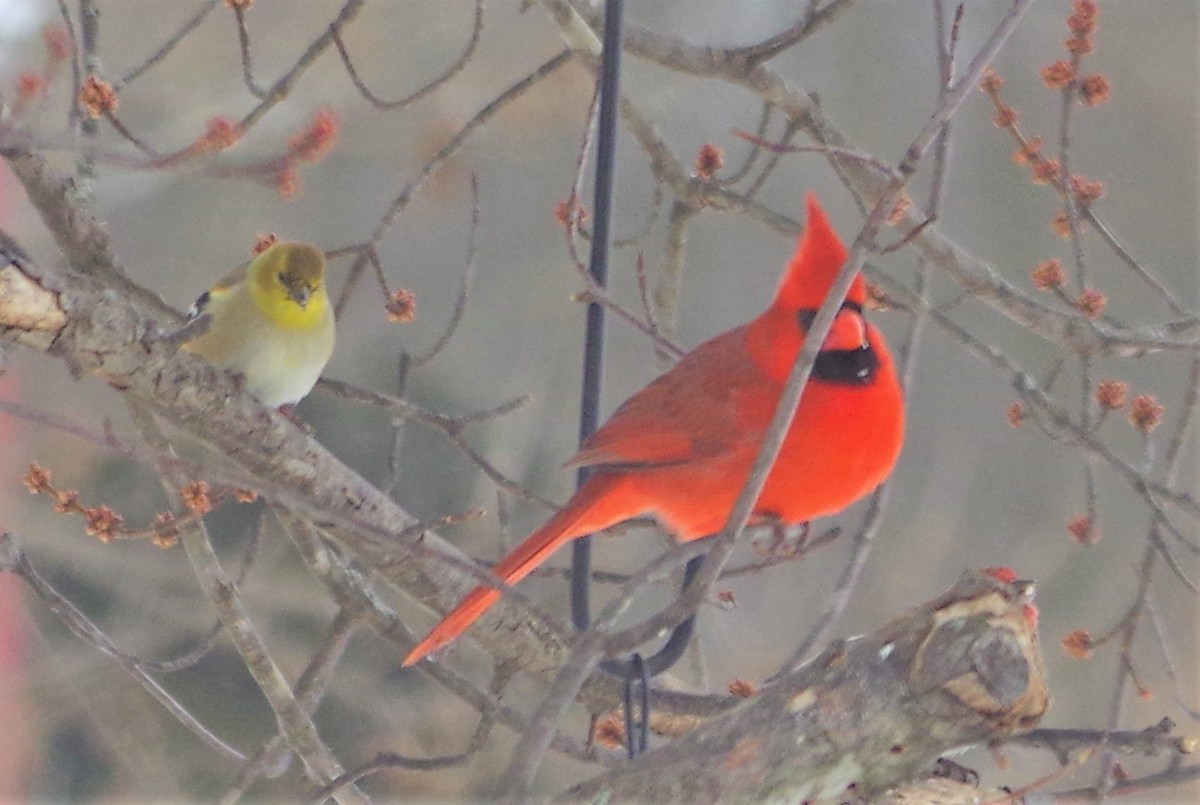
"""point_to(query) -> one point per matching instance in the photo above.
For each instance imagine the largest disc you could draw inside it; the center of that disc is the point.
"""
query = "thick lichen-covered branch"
(867, 714)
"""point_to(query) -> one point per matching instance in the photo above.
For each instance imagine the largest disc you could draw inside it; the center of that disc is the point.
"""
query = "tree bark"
(868, 714)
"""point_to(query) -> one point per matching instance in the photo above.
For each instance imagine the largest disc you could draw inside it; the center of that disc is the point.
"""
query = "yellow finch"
(272, 323)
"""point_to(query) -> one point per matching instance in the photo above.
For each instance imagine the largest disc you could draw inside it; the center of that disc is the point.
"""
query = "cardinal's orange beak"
(849, 331)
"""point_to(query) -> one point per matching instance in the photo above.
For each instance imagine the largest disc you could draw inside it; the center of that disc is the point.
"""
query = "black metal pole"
(593, 350)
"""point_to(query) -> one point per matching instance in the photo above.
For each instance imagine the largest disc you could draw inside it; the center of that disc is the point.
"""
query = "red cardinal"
(681, 448)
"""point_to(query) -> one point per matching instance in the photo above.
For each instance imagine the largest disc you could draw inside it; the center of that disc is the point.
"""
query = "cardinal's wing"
(704, 407)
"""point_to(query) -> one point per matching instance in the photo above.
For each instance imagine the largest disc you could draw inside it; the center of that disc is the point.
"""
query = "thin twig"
(464, 284)
(670, 273)
(239, 10)
(271, 759)
(352, 590)
(450, 72)
(536, 740)
(14, 560)
(814, 20)
(1055, 418)
(167, 46)
(456, 142)
(760, 135)
(860, 548)
(302, 736)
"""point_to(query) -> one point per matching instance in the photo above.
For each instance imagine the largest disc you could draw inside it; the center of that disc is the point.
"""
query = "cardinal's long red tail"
(593, 508)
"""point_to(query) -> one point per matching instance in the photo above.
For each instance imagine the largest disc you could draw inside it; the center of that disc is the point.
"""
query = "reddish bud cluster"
(219, 133)
(1110, 394)
(245, 495)
(1045, 170)
(709, 160)
(29, 86)
(66, 500)
(58, 43)
(1030, 151)
(564, 210)
(1094, 89)
(1083, 530)
(609, 732)
(1059, 74)
(1061, 224)
(1062, 74)
(1079, 45)
(264, 242)
(32, 85)
(312, 144)
(1015, 413)
(1078, 644)
(1145, 413)
(165, 533)
(903, 203)
(1048, 275)
(991, 81)
(101, 522)
(1005, 116)
(104, 523)
(1082, 24)
(741, 688)
(1091, 302)
(287, 182)
(401, 306)
(97, 97)
(1083, 21)
(196, 498)
(1086, 190)
(37, 480)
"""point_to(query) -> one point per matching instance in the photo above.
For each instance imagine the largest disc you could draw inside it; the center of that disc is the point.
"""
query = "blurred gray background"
(970, 491)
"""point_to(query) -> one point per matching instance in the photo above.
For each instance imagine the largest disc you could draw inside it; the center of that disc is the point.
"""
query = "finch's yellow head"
(288, 283)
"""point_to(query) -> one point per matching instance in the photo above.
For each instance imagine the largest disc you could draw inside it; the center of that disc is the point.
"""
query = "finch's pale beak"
(300, 295)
